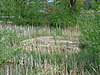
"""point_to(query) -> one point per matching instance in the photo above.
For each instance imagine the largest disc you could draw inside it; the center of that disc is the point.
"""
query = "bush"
(90, 56)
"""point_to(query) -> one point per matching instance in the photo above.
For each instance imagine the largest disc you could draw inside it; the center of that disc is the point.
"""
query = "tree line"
(37, 11)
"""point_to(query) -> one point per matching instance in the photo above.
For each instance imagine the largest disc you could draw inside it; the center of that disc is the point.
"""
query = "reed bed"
(47, 60)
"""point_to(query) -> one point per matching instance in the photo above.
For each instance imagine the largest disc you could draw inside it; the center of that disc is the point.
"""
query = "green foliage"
(90, 56)
(29, 13)
(40, 12)
(7, 38)
(6, 55)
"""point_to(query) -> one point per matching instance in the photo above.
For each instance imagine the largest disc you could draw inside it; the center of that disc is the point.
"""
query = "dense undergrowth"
(90, 35)
(88, 58)
(86, 62)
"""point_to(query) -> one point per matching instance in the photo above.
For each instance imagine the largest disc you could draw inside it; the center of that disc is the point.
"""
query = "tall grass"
(55, 63)
(90, 35)
(35, 61)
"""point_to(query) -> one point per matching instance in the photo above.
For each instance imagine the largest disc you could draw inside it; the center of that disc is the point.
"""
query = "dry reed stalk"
(7, 71)
(51, 70)
(82, 71)
(61, 72)
(45, 66)
(81, 67)
(24, 69)
(66, 69)
(10, 66)
(74, 70)
(23, 65)
(32, 63)
(52, 49)
(54, 71)
(16, 69)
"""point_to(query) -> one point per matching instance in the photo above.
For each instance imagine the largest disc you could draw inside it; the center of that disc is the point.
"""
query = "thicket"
(90, 36)
(39, 12)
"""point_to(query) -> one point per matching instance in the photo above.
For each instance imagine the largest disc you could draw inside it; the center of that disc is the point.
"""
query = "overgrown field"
(56, 38)
(15, 60)
(34, 61)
